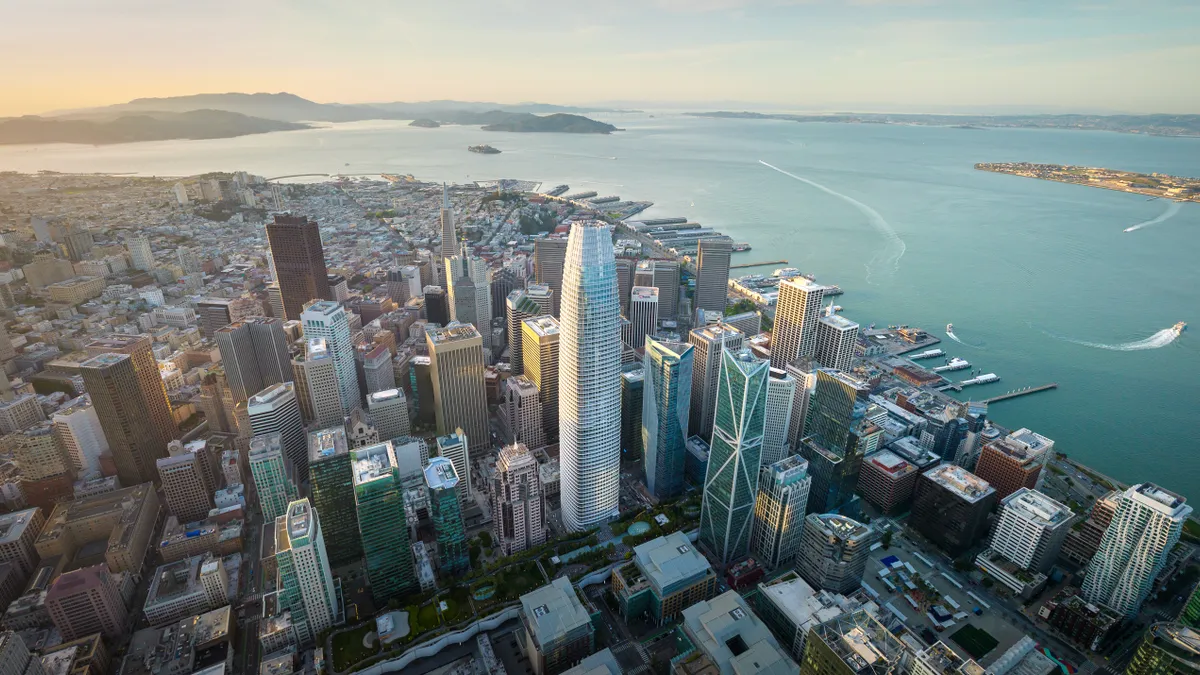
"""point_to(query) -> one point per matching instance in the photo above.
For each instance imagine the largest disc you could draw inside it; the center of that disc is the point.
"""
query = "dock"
(758, 264)
(1021, 392)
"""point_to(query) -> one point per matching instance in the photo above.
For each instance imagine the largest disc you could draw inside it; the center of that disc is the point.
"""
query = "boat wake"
(886, 262)
(1160, 339)
(1172, 209)
(950, 334)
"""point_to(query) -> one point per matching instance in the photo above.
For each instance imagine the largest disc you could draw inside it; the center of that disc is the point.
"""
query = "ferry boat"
(741, 247)
(954, 364)
(833, 290)
(949, 328)
(930, 354)
(1179, 327)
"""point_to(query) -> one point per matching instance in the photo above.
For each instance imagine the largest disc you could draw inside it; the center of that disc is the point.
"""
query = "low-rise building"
(665, 575)
(951, 506)
(732, 637)
(185, 588)
(192, 645)
(124, 520)
(557, 628)
(84, 656)
(790, 608)
(1083, 623)
(855, 644)
(886, 481)
(18, 533)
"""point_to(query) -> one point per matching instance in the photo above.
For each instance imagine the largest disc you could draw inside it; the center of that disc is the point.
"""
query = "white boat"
(949, 328)
(986, 378)
(1179, 327)
(954, 364)
(930, 354)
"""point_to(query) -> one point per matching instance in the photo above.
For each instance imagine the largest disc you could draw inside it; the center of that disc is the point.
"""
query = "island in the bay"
(1152, 125)
(484, 149)
(203, 116)
(1153, 184)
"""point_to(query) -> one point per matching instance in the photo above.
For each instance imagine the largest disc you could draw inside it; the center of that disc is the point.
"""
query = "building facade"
(299, 262)
(442, 482)
(666, 403)
(517, 501)
(797, 312)
(779, 511)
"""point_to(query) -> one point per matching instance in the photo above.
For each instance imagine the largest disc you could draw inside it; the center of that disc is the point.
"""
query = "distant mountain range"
(229, 115)
(1156, 125)
(133, 127)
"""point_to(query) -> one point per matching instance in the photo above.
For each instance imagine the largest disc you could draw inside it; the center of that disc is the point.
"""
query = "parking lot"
(992, 620)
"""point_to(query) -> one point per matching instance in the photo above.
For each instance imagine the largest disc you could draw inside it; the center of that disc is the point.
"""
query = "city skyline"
(887, 55)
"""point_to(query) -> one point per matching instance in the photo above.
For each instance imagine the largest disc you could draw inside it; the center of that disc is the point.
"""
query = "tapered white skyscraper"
(449, 241)
(589, 371)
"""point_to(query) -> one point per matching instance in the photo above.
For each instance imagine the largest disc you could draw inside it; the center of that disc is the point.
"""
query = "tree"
(485, 538)
(886, 540)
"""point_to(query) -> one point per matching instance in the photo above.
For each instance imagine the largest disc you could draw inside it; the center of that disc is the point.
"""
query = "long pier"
(758, 264)
(1021, 392)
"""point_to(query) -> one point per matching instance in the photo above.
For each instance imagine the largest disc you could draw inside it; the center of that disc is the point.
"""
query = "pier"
(1021, 392)
(758, 264)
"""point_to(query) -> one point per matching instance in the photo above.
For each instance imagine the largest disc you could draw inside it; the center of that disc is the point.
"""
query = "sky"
(863, 55)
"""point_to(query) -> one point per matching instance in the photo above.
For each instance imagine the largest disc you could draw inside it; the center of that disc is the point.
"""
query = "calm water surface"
(1038, 278)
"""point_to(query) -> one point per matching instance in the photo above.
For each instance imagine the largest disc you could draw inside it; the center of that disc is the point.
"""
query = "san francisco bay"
(1040, 279)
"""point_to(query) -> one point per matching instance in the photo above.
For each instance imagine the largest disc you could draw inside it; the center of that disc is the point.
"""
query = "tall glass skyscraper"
(327, 319)
(666, 402)
(381, 522)
(442, 481)
(727, 512)
(589, 379)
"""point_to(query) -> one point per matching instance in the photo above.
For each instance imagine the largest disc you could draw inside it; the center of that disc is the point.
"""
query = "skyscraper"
(633, 384)
(331, 480)
(77, 427)
(516, 495)
(255, 355)
(274, 475)
(643, 315)
(446, 220)
(276, 410)
(139, 252)
(304, 583)
(437, 305)
(299, 262)
(666, 280)
(214, 314)
(804, 371)
(389, 411)
(187, 496)
(951, 506)
(1031, 530)
(454, 448)
(379, 502)
(523, 412)
(549, 260)
(378, 373)
(779, 511)
(731, 485)
(85, 601)
(797, 312)
(541, 342)
(327, 319)
(442, 482)
(666, 403)
(535, 300)
(470, 293)
(1146, 527)
(836, 339)
(1167, 649)
(589, 380)
(625, 268)
(709, 342)
(781, 394)
(712, 274)
(834, 551)
(136, 418)
(316, 380)
(831, 408)
(459, 393)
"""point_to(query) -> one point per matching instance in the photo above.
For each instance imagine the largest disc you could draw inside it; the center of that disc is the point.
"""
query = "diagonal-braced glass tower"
(589, 373)
(727, 512)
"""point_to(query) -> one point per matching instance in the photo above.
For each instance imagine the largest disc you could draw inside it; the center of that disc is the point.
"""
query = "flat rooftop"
(271, 396)
(1033, 440)
(644, 293)
(728, 631)
(891, 463)
(440, 474)
(841, 526)
(316, 348)
(789, 469)
(1035, 506)
(103, 360)
(716, 332)
(372, 462)
(326, 443)
(299, 519)
(862, 643)
(455, 332)
(839, 322)
(543, 326)
(1158, 498)
(909, 449)
(553, 611)
(634, 375)
(669, 561)
(322, 307)
(961, 482)
(13, 525)
(385, 396)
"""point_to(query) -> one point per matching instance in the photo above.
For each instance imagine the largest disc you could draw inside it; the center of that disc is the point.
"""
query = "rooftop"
(789, 469)
(454, 332)
(271, 396)
(13, 525)
(385, 395)
(322, 308)
(543, 325)
(634, 375)
(440, 474)
(316, 348)
(961, 482)
(326, 443)
(643, 293)
(1037, 507)
(601, 663)
(553, 611)
(840, 526)
(716, 332)
(726, 630)
(1034, 441)
(103, 360)
(670, 561)
(299, 519)
(803, 606)
(373, 462)
(839, 322)
(1179, 640)
(266, 444)
(909, 449)
(1158, 498)
(891, 463)
(862, 643)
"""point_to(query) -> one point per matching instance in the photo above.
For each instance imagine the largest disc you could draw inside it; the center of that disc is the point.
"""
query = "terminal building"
(666, 575)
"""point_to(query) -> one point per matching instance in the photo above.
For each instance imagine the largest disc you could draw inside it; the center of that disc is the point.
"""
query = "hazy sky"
(1120, 55)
